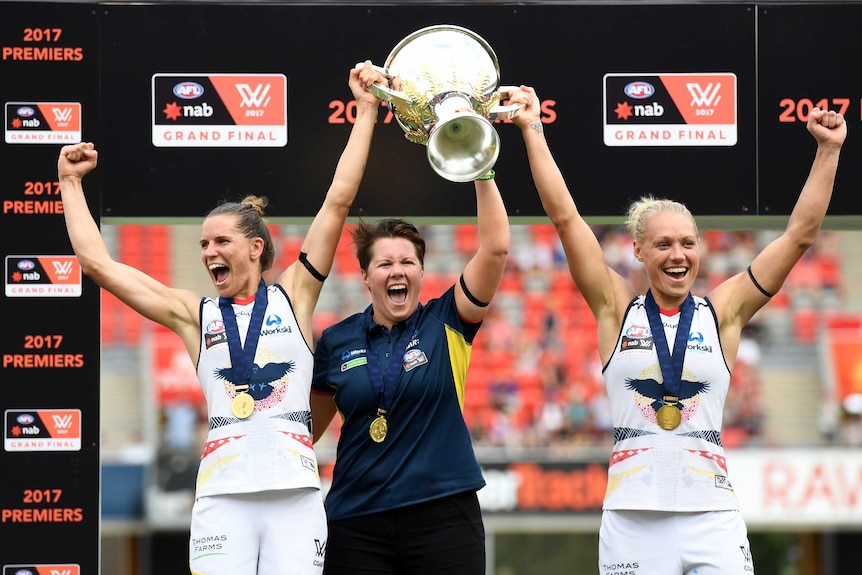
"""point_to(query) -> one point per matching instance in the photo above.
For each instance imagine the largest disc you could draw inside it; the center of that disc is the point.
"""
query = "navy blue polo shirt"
(427, 452)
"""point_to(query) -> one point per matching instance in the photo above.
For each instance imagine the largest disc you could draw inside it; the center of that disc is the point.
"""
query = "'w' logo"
(62, 114)
(256, 98)
(63, 421)
(61, 572)
(63, 268)
(700, 96)
(746, 553)
(321, 547)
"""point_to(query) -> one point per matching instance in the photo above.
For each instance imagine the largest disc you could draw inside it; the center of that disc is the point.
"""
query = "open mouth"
(397, 293)
(219, 273)
(676, 273)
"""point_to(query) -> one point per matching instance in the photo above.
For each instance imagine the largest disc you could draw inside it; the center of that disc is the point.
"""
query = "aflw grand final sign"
(49, 345)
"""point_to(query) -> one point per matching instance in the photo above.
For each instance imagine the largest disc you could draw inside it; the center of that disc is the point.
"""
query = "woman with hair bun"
(258, 506)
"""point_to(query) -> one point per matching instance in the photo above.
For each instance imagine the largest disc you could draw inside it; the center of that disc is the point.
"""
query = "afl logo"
(188, 90)
(25, 419)
(23, 572)
(26, 265)
(26, 111)
(215, 326)
(639, 90)
(637, 332)
(412, 355)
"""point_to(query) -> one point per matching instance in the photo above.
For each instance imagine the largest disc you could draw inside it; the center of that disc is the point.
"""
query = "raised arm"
(738, 298)
(483, 272)
(605, 291)
(175, 309)
(325, 230)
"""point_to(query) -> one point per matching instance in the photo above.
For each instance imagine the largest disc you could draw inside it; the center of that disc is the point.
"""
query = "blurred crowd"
(535, 377)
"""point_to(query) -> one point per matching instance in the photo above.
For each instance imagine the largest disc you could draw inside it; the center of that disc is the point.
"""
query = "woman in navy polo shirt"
(403, 497)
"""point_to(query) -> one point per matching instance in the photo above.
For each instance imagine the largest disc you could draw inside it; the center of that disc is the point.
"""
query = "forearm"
(492, 220)
(553, 192)
(351, 164)
(810, 209)
(83, 231)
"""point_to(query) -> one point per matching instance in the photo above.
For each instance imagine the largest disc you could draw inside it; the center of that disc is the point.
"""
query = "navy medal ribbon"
(384, 384)
(242, 356)
(671, 366)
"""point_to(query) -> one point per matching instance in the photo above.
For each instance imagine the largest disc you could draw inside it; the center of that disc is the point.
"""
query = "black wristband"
(303, 258)
(470, 296)
(757, 285)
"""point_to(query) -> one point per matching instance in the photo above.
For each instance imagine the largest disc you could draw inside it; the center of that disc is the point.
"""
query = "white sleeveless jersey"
(651, 468)
(272, 448)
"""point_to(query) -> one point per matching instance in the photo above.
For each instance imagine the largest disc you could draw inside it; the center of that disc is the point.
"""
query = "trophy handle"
(505, 112)
(389, 95)
(385, 93)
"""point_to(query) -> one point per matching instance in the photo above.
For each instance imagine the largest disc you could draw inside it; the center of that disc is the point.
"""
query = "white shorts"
(270, 533)
(662, 543)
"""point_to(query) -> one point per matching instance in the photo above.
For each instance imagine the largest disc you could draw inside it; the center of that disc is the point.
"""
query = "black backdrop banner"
(192, 103)
(49, 345)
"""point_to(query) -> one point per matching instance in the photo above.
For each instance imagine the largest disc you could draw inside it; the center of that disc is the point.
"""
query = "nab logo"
(256, 98)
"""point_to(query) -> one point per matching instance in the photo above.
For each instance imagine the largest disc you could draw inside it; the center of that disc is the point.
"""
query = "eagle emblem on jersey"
(267, 384)
(649, 394)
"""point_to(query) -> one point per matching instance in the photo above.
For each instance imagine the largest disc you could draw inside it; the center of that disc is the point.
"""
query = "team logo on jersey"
(414, 358)
(649, 393)
(267, 384)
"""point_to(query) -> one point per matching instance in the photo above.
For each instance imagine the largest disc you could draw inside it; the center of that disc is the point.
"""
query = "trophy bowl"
(445, 93)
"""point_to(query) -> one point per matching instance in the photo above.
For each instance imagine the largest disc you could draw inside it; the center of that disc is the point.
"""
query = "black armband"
(475, 301)
(757, 285)
(303, 258)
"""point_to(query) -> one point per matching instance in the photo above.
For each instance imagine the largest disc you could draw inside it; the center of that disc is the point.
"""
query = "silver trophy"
(445, 92)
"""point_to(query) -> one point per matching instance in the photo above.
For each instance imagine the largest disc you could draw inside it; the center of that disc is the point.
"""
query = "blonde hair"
(641, 210)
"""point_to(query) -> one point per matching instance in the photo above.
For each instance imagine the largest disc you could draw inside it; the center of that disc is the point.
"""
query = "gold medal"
(243, 404)
(378, 429)
(668, 417)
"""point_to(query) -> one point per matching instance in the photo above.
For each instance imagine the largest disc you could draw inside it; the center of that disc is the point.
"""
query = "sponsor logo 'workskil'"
(43, 276)
(670, 109)
(42, 430)
(43, 122)
(219, 110)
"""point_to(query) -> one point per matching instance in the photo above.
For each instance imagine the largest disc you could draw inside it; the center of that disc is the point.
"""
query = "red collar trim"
(244, 301)
(667, 312)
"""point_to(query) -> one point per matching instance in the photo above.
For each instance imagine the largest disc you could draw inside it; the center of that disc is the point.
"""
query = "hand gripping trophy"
(445, 93)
